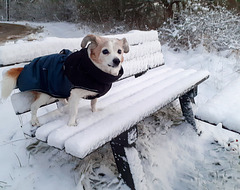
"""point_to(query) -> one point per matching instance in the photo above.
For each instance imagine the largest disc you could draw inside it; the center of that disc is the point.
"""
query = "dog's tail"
(9, 81)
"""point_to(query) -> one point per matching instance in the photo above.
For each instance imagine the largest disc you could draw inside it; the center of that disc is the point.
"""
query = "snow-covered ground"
(172, 154)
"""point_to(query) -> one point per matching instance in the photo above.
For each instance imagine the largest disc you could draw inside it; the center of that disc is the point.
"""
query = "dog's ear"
(125, 45)
(90, 38)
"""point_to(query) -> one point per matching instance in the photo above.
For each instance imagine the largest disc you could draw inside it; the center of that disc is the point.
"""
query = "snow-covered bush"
(213, 26)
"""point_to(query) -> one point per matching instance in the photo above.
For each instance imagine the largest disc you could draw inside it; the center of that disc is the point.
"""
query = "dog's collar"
(82, 73)
(97, 73)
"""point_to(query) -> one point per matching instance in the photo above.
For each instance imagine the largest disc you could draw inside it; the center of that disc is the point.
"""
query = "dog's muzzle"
(115, 63)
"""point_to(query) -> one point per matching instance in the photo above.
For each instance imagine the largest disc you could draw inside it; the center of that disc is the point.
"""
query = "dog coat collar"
(82, 73)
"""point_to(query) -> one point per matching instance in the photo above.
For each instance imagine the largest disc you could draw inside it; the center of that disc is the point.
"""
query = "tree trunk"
(7, 10)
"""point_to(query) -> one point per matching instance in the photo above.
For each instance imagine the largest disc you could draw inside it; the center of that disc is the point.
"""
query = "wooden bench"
(146, 86)
(223, 108)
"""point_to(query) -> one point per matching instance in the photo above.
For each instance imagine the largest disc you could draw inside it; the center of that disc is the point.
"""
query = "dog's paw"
(35, 123)
(72, 123)
(33, 131)
(94, 110)
(97, 110)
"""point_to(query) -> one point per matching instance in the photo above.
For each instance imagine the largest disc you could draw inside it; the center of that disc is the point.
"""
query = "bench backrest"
(145, 50)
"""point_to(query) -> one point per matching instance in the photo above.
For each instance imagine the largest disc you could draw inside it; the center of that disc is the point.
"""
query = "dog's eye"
(105, 51)
(119, 51)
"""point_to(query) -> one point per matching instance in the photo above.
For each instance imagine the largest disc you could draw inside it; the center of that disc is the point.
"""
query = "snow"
(223, 107)
(173, 156)
(136, 168)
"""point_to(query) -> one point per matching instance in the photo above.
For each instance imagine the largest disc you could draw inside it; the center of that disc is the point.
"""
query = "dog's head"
(106, 53)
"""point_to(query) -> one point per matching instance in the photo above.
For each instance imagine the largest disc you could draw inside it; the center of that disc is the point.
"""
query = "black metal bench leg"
(185, 102)
(126, 139)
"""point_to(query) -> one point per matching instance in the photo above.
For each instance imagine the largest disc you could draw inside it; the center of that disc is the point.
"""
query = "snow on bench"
(218, 110)
(25, 52)
(129, 101)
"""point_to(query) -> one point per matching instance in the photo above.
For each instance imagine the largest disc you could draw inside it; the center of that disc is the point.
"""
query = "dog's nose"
(116, 62)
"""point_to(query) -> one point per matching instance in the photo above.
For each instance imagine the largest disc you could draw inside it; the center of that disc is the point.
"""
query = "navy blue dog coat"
(58, 74)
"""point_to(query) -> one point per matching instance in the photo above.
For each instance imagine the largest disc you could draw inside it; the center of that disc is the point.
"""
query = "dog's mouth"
(115, 63)
(113, 66)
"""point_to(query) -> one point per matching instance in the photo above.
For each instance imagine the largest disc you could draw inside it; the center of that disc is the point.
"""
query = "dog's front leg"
(73, 107)
(76, 95)
(93, 105)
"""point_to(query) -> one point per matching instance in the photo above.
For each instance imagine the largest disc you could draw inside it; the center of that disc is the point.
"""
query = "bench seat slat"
(58, 137)
(110, 97)
(118, 87)
(101, 132)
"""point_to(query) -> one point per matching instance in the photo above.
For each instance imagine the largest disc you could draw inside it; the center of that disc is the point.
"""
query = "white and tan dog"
(106, 54)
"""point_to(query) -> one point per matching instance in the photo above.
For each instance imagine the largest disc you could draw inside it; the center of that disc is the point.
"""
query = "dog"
(88, 73)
